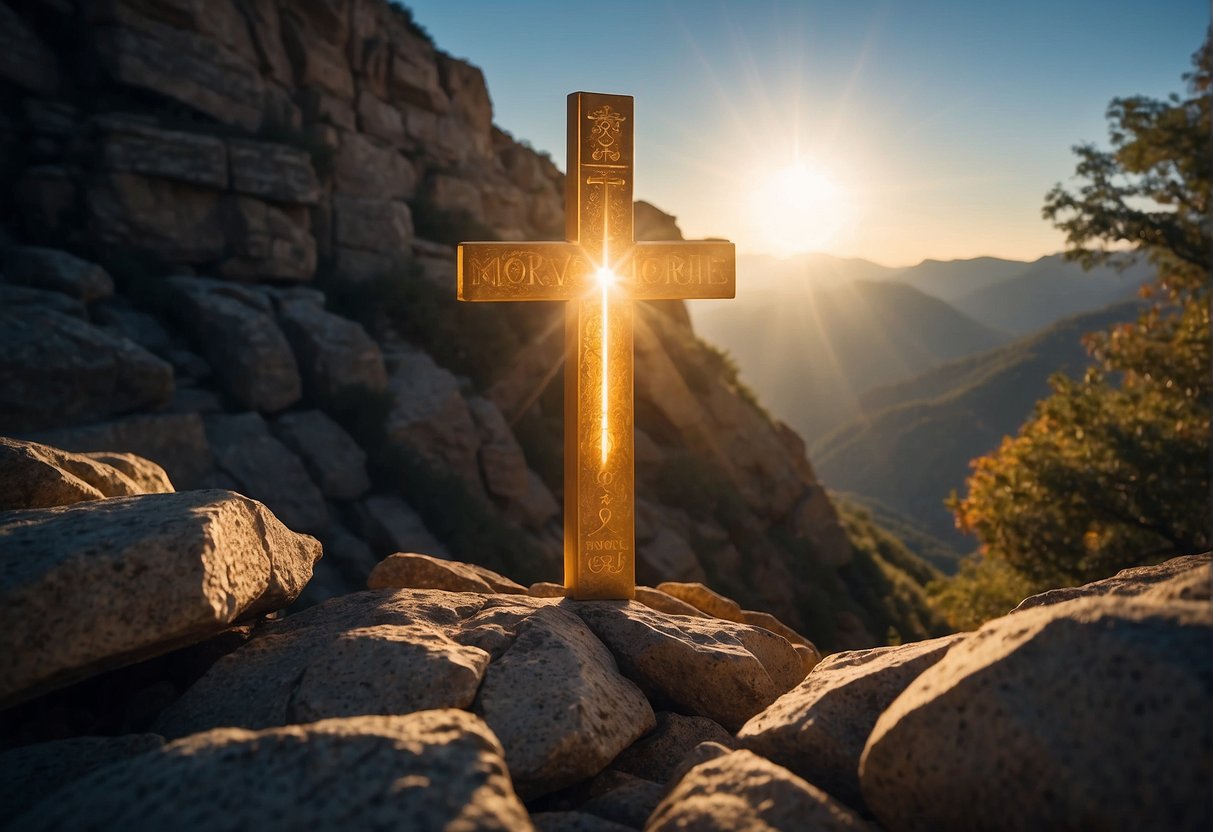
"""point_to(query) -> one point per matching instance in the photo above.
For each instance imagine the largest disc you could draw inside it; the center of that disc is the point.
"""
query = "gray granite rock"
(105, 583)
(818, 729)
(57, 370)
(428, 770)
(265, 469)
(1090, 713)
(699, 666)
(742, 792)
(331, 456)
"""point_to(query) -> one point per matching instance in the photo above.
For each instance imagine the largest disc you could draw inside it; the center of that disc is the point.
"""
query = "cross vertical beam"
(599, 488)
(599, 271)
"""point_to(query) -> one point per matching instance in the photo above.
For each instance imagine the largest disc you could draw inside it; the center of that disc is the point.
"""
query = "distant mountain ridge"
(810, 354)
(914, 442)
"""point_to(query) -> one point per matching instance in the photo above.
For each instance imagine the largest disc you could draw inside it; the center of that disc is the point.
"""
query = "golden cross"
(599, 271)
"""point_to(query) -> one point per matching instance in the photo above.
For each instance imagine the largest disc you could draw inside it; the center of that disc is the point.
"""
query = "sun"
(798, 208)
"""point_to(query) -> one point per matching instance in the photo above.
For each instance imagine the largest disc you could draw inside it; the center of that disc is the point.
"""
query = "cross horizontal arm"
(523, 271)
(683, 270)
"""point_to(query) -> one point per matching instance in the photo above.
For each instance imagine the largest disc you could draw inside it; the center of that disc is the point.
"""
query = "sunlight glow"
(799, 208)
(606, 278)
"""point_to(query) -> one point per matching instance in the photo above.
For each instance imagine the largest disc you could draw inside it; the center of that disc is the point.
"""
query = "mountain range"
(811, 334)
(913, 443)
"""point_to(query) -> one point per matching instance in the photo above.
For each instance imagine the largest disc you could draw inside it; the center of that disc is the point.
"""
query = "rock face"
(160, 571)
(174, 199)
(235, 329)
(428, 770)
(257, 463)
(38, 476)
(1090, 713)
(742, 791)
(819, 728)
(58, 370)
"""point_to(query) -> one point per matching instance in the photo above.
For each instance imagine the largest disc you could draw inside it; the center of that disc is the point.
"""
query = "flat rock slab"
(104, 583)
(742, 792)
(429, 770)
(39, 476)
(1089, 714)
(818, 729)
(544, 683)
(700, 666)
(409, 570)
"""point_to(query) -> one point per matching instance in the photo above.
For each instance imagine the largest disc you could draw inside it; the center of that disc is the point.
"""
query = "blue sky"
(927, 129)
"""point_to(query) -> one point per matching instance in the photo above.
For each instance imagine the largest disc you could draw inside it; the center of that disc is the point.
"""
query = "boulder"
(235, 329)
(551, 693)
(545, 589)
(277, 172)
(33, 772)
(429, 770)
(264, 469)
(267, 241)
(430, 417)
(818, 729)
(58, 370)
(136, 144)
(105, 583)
(374, 224)
(704, 599)
(502, 462)
(173, 221)
(39, 476)
(536, 507)
(379, 119)
(742, 792)
(49, 268)
(703, 667)
(667, 555)
(362, 167)
(174, 441)
(317, 61)
(622, 798)
(558, 703)
(1185, 578)
(656, 756)
(413, 571)
(390, 524)
(119, 317)
(334, 460)
(663, 602)
(196, 69)
(148, 477)
(334, 353)
(14, 297)
(1087, 714)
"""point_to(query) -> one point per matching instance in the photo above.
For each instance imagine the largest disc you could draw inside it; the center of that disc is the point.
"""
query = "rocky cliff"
(228, 247)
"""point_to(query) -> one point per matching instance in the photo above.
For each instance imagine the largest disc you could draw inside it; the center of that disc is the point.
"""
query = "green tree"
(1112, 470)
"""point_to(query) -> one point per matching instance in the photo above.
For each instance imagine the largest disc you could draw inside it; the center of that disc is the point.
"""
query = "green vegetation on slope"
(915, 447)
(1112, 470)
(887, 580)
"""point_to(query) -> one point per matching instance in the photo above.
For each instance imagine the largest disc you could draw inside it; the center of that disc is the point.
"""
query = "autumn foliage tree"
(1113, 470)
